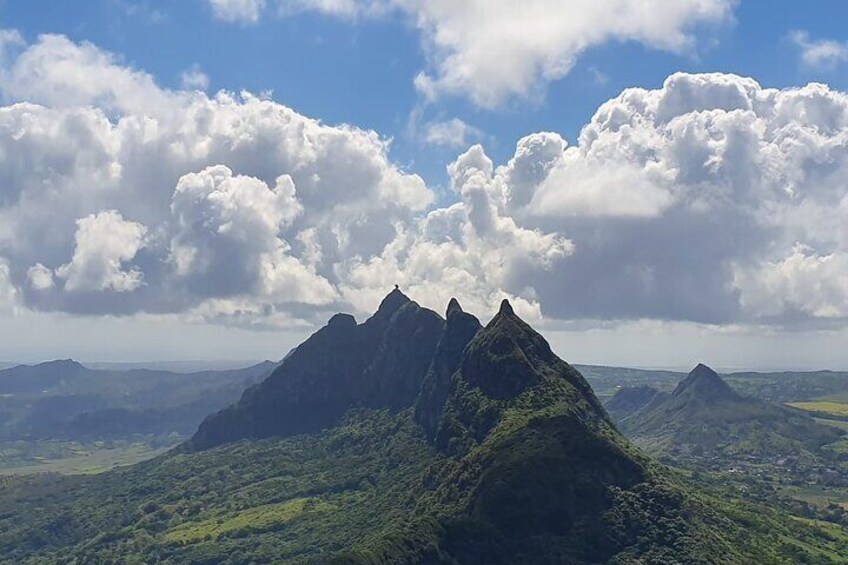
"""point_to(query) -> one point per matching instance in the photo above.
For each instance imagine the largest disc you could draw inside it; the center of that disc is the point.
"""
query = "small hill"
(705, 417)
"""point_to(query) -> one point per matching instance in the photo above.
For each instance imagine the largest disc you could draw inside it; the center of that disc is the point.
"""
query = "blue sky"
(145, 213)
(362, 73)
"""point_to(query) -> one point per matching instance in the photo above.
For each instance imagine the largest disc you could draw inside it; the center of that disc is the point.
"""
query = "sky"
(651, 184)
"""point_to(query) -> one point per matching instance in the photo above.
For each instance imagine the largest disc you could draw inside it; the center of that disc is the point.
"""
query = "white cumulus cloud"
(194, 78)
(710, 199)
(40, 277)
(820, 54)
(105, 242)
(453, 133)
(688, 202)
(494, 50)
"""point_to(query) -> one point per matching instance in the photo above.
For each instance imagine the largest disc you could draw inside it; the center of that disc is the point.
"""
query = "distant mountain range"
(64, 399)
(407, 439)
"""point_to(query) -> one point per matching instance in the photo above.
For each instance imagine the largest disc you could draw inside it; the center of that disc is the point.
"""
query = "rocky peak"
(506, 308)
(453, 308)
(704, 384)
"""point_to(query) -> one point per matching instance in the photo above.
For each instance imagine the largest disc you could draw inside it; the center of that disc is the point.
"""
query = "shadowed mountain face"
(629, 400)
(404, 356)
(705, 415)
(381, 363)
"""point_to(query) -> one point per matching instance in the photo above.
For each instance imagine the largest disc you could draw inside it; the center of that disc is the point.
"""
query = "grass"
(818, 496)
(262, 518)
(841, 424)
(79, 460)
(834, 546)
(823, 407)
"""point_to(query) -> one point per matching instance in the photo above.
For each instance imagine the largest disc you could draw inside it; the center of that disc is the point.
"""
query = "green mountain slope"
(406, 439)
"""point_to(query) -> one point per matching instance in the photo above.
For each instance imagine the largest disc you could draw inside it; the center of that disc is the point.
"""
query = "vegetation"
(838, 409)
(62, 417)
(22, 457)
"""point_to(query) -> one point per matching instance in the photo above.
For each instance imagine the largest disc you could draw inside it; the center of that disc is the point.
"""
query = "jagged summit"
(453, 308)
(407, 438)
(404, 356)
(704, 384)
(506, 308)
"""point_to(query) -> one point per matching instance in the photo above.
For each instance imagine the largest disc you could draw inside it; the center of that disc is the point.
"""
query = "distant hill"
(64, 399)
(704, 417)
(407, 439)
(778, 387)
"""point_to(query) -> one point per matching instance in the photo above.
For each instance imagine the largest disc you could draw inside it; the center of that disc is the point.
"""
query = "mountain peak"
(342, 320)
(393, 302)
(508, 356)
(453, 308)
(704, 383)
(506, 308)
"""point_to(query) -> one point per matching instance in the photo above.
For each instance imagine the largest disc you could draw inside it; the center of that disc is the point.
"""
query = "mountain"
(37, 378)
(628, 400)
(67, 400)
(406, 439)
(704, 416)
(378, 364)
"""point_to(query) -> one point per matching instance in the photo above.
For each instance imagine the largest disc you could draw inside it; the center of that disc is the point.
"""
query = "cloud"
(40, 277)
(104, 243)
(8, 291)
(710, 199)
(688, 203)
(194, 78)
(237, 11)
(821, 54)
(453, 133)
(492, 51)
(211, 180)
(226, 239)
(804, 283)
(469, 250)
(59, 73)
